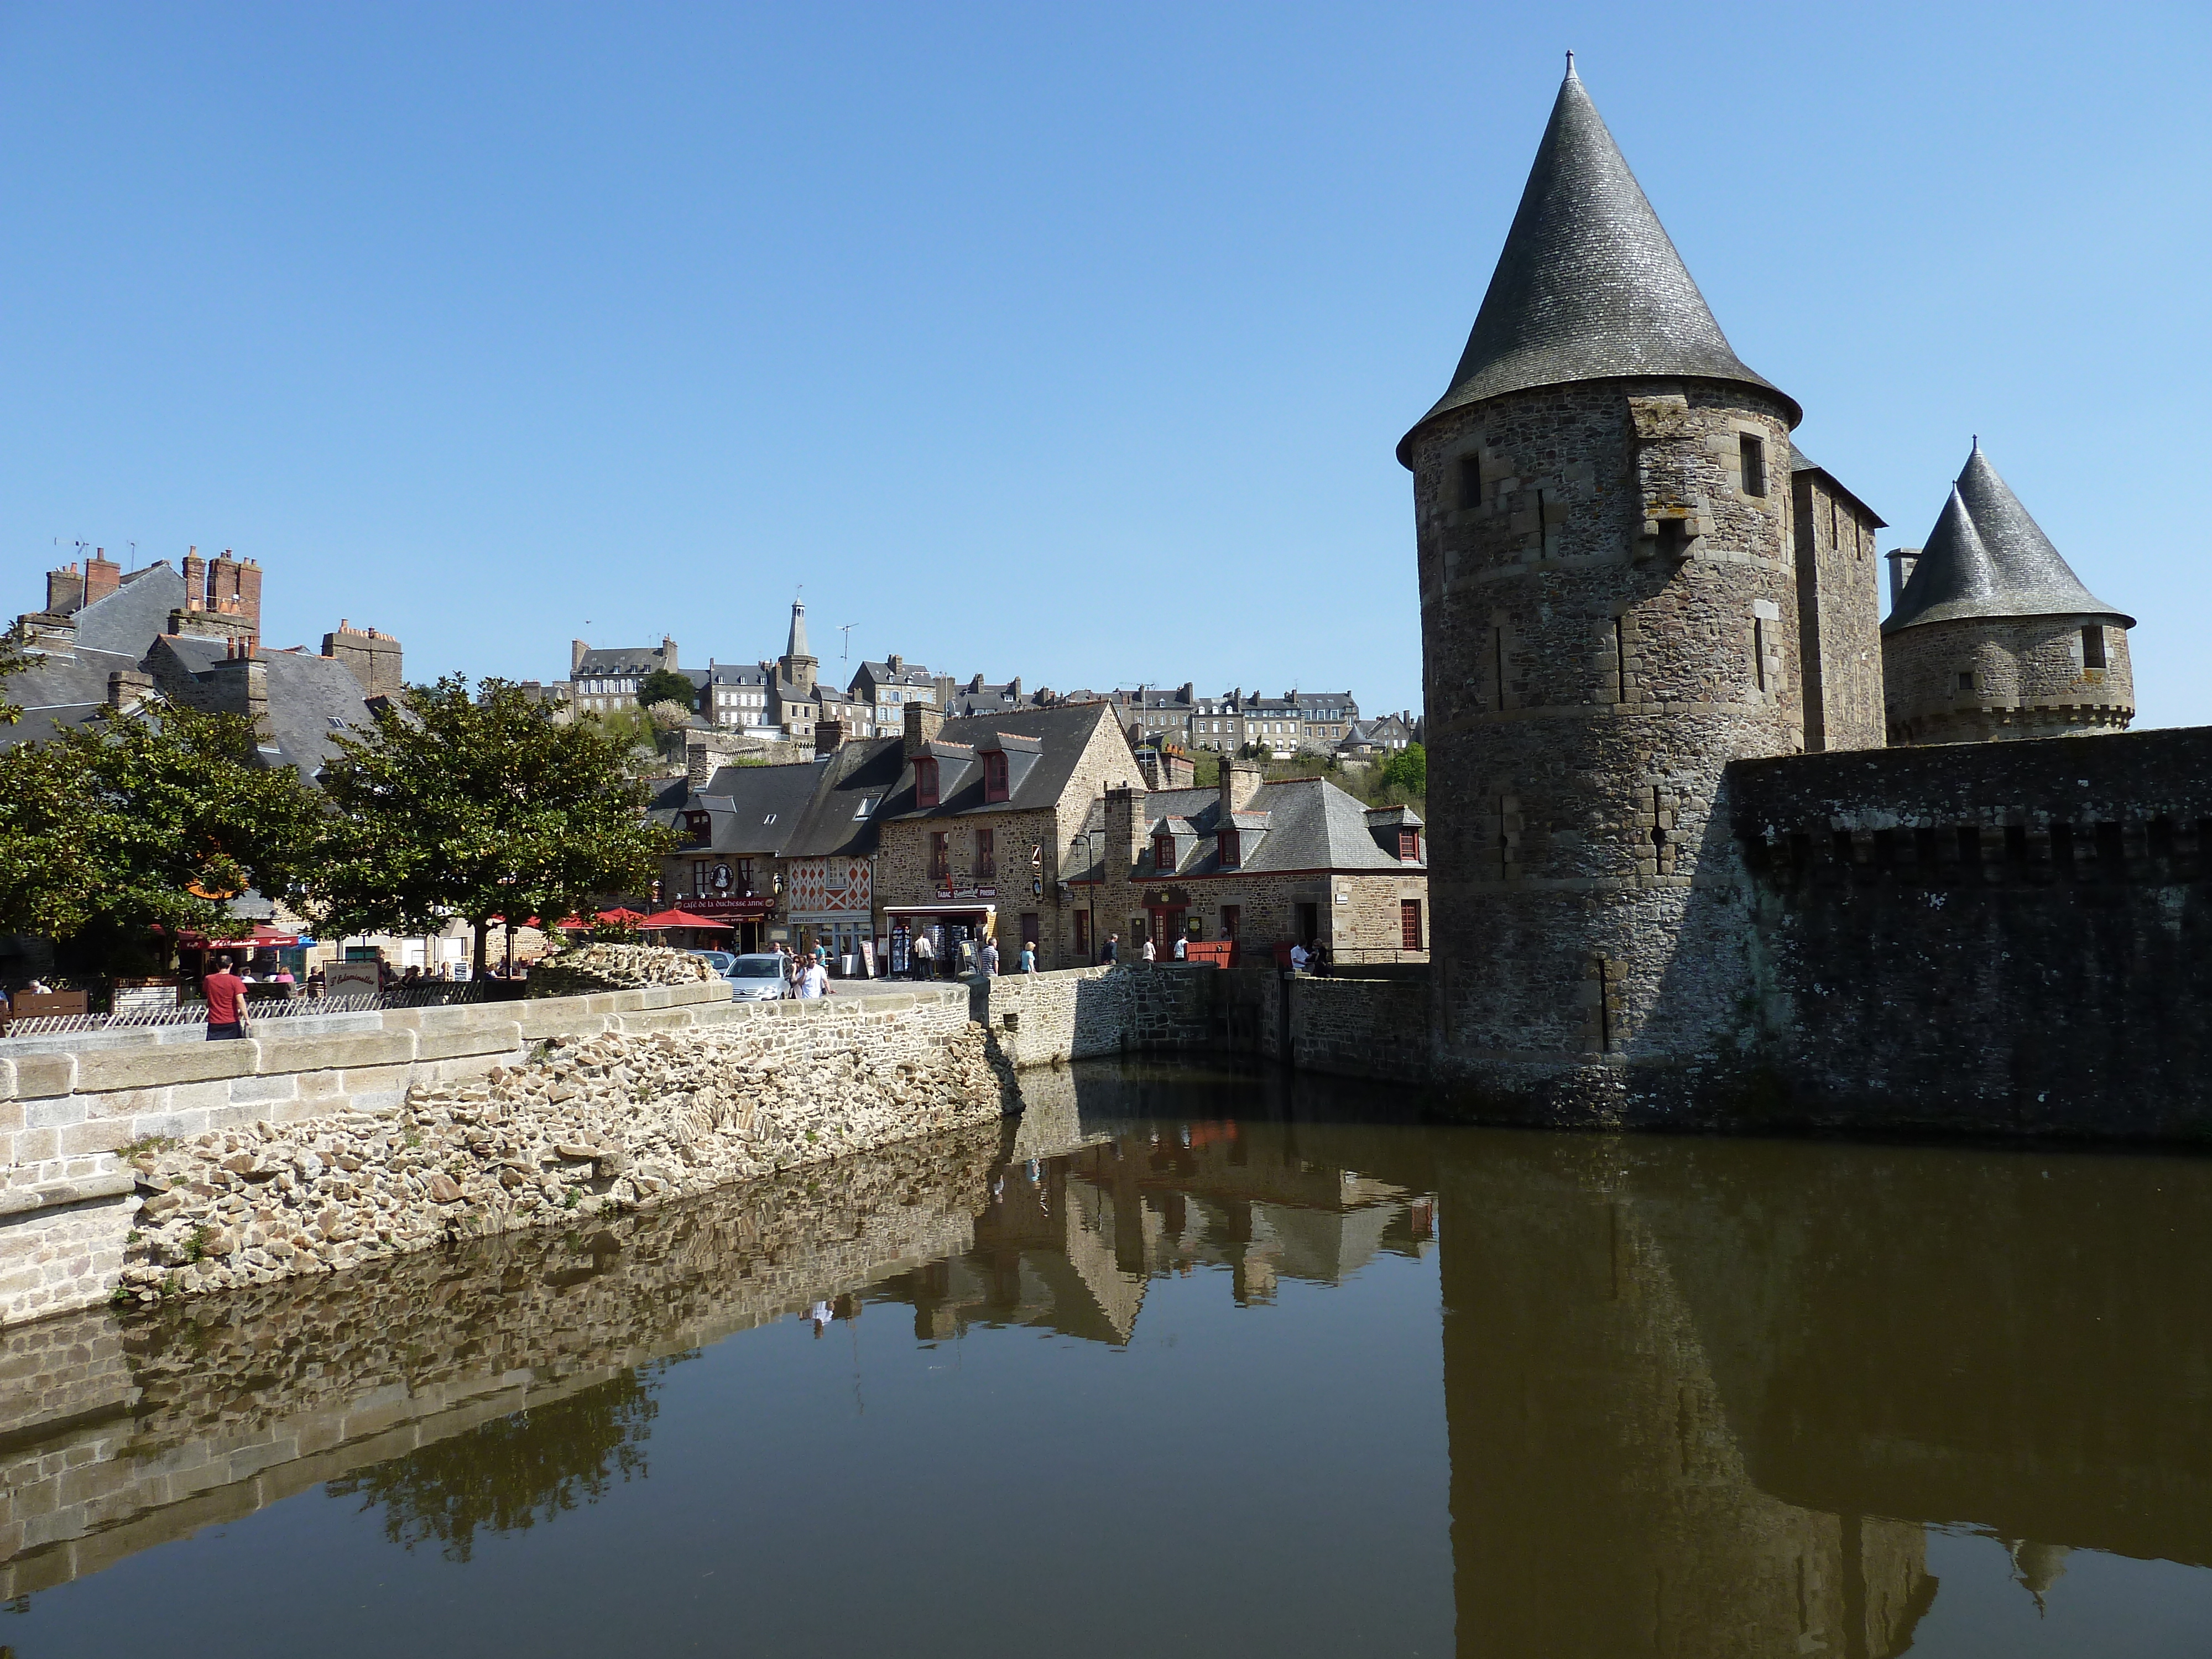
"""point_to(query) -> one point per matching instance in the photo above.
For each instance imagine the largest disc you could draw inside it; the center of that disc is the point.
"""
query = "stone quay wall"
(2009, 938)
(1357, 1026)
(72, 1106)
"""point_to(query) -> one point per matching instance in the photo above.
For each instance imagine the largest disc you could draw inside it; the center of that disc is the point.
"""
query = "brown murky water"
(1192, 1360)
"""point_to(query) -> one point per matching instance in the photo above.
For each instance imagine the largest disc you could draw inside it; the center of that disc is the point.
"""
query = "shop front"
(830, 902)
(747, 915)
(955, 928)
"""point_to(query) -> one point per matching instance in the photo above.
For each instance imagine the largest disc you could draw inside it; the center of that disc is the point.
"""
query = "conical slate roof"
(797, 647)
(1590, 286)
(1986, 557)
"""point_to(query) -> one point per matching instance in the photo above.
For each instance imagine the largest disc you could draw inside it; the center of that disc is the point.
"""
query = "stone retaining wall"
(69, 1105)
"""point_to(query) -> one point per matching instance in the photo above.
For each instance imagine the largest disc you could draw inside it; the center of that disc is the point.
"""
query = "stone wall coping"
(152, 1057)
(52, 1194)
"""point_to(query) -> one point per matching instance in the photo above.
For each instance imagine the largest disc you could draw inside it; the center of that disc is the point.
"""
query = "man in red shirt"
(226, 1002)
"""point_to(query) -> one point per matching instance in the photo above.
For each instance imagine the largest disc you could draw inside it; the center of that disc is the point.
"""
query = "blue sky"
(1064, 341)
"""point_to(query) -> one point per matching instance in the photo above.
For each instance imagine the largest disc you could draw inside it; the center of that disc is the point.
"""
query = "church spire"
(797, 647)
(1589, 286)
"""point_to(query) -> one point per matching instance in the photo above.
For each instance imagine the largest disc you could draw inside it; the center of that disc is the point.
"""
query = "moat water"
(1190, 1361)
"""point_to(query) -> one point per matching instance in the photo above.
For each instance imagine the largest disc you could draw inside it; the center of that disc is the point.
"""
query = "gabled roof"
(1987, 558)
(752, 810)
(860, 774)
(1034, 782)
(1590, 286)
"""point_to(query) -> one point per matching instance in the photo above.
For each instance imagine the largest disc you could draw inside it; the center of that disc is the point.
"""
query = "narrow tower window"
(1755, 464)
(1620, 661)
(1759, 651)
(1497, 654)
(1470, 481)
(2092, 648)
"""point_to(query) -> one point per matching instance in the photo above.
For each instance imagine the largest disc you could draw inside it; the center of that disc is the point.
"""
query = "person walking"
(226, 1003)
(1110, 953)
(1182, 948)
(990, 959)
(925, 955)
(1151, 955)
(1028, 961)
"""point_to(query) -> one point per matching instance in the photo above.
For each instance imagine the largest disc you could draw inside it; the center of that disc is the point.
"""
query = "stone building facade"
(1839, 608)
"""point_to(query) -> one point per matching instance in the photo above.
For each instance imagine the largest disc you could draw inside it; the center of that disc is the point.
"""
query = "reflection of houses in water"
(1070, 1242)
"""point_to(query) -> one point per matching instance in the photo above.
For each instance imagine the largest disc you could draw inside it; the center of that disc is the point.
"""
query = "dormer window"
(995, 775)
(925, 781)
(1163, 855)
(1230, 850)
(1409, 846)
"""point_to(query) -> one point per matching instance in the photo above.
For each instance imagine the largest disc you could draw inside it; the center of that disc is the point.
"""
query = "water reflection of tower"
(1599, 1501)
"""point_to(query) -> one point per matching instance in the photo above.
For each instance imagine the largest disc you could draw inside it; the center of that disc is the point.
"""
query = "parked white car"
(757, 978)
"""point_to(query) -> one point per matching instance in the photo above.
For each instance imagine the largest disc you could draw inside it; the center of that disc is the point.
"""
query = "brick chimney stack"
(1240, 781)
(64, 589)
(103, 576)
(1126, 830)
(828, 736)
(196, 582)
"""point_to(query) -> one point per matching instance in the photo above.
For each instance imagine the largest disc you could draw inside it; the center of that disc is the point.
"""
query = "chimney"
(1125, 829)
(1240, 781)
(923, 723)
(127, 688)
(1902, 561)
(196, 585)
(1014, 688)
(64, 589)
(828, 736)
(897, 664)
(240, 685)
(976, 684)
(374, 659)
(576, 649)
(249, 596)
(667, 653)
(103, 576)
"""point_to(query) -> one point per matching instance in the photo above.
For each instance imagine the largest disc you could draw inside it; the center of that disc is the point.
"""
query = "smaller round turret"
(1993, 635)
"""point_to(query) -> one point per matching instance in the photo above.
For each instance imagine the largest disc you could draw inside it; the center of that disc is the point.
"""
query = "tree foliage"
(666, 685)
(477, 804)
(1404, 777)
(155, 819)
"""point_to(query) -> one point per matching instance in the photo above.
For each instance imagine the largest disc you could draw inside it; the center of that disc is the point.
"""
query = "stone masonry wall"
(1611, 623)
(2028, 680)
(2009, 938)
(69, 1105)
(1839, 616)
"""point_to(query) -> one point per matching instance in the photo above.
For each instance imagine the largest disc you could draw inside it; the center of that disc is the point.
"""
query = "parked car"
(757, 978)
(721, 959)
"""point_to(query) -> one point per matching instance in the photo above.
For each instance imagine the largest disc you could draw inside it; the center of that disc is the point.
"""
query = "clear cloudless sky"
(1069, 342)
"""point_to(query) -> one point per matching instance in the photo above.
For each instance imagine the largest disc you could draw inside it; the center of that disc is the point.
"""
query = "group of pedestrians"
(806, 974)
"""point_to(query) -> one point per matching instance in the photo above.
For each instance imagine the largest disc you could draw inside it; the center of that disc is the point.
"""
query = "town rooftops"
(1035, 778)
(1295, 824)
(619, 660)
(1987, 558)
(1590, 286)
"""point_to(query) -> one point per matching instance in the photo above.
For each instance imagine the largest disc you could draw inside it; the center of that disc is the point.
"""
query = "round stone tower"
(1993, 634)
(1608, 617)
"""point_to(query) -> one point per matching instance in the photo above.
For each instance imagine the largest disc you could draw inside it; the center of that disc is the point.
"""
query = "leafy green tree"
(666, 685)
(14, 660)
(152, 820)
(1404, 777)
(477, 804)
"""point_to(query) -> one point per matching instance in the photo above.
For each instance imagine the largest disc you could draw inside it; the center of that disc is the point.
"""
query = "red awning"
(619, 915)
(680, 919)
(262, 939)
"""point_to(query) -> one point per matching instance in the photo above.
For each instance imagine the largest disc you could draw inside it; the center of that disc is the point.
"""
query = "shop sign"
(952, 892)
(748, 907)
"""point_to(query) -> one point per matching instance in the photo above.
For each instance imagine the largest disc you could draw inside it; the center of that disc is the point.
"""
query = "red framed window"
(1230, 850)
(1409, 846)
(1231, 915)
(1163, 857)
(995, 775)
(986, 853)
(940, 856)
(925, 781)
(1409, 925)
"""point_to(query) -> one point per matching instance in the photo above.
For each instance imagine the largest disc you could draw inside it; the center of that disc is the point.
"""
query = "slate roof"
(312, 699)
(1590, 286)
(752, 810)
(613, 661)
(1034, 780)
(133, 614)
(1298, 823)
(1987, 558)
(834, 823)
(57, 692)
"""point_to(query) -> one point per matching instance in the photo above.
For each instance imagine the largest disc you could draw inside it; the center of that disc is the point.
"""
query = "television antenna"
(847, 630)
